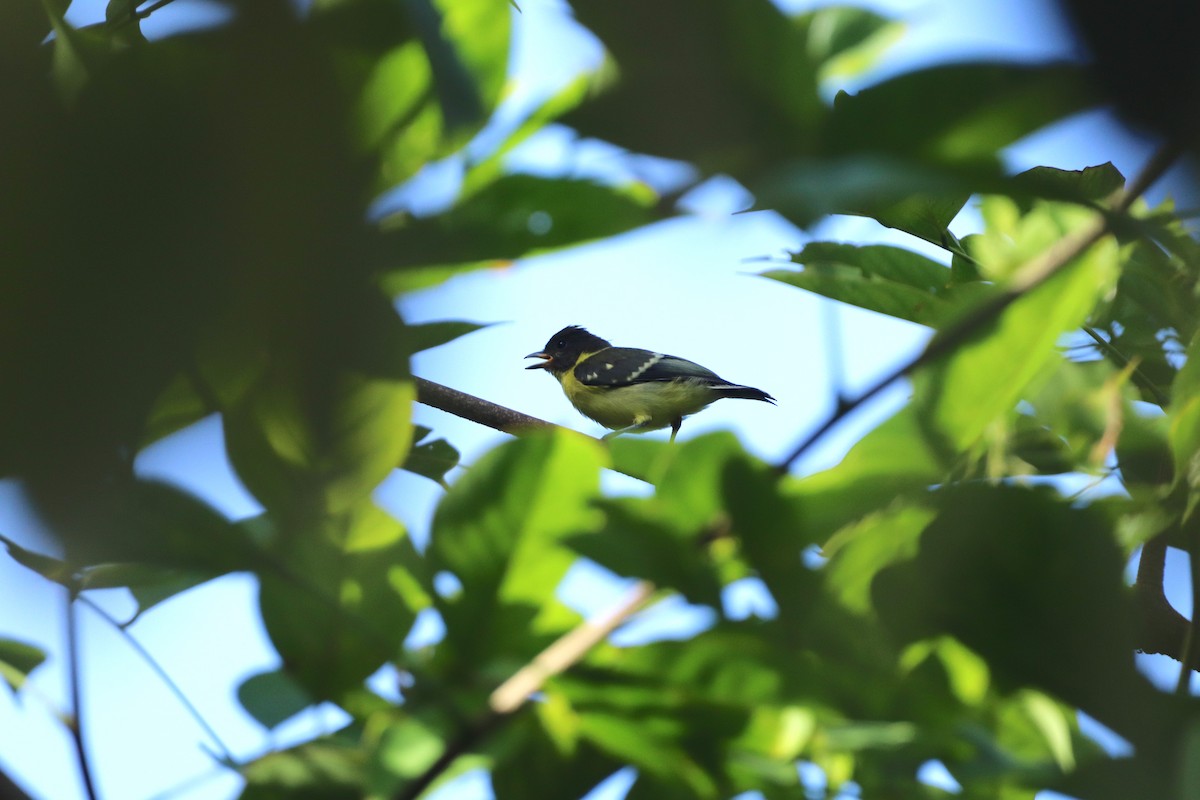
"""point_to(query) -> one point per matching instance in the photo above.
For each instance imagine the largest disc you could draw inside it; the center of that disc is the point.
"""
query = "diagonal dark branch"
(1033, 274)
(475, 409)
(74, 678)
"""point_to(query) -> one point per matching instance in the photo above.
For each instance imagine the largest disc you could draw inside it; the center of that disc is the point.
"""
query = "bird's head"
(564, 349)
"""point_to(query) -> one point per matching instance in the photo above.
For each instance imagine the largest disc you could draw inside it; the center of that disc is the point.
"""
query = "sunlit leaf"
(17, 660)
(889, 280)
(961, 395)
(328, 767)
(500, 531)
(336, 602)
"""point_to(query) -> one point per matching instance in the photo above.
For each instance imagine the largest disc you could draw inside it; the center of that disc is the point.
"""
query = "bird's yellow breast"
(650, 405)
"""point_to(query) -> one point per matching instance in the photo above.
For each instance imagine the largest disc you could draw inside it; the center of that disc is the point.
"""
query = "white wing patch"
(650, 362)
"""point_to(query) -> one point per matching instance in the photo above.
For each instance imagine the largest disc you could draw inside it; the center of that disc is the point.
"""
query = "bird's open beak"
(542, 365)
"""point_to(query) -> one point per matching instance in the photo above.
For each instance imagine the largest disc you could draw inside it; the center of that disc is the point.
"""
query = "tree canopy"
(187, 231)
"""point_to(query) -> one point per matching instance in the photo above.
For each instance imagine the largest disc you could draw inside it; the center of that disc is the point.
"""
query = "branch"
(161, 673)
(1033, 274)
(472, 408)
(511, 696)
(76, 720)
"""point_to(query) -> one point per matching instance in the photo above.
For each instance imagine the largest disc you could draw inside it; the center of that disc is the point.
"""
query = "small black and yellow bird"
(627, 389)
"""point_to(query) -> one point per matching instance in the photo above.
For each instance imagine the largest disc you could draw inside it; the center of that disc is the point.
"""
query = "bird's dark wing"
(623, 366)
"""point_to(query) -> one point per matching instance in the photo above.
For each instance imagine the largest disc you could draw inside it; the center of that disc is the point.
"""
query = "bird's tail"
(743, 392)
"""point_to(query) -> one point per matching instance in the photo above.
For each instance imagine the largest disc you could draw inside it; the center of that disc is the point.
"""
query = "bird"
(629, 390)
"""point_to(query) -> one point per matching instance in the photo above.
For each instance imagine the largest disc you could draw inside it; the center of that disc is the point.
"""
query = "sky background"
(686, 287)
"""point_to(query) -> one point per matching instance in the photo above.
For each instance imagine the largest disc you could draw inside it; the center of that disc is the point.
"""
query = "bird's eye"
(560, 343)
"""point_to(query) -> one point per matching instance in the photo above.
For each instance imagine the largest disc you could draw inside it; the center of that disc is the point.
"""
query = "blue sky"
(684, 287)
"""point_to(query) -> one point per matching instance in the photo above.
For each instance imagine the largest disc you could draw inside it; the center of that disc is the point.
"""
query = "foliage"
(187, 233)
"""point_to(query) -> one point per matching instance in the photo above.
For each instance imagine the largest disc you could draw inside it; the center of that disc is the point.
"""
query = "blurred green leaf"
(1037, 592)
(961, 395)
(331, 768)
(955, 113)
(429, 335)
(1088, 185)
(17, 660)
(149, 585)
(515, 216)
(639, 544)
(847, 41)
(500, 530)
(860, 550)
(272, 697)
(888, 464)
(337, 602)
(539, 765)
(48, 567)
(760, 83)
(900, 193)
(431, 459)
(1185, 425)
(296, 454)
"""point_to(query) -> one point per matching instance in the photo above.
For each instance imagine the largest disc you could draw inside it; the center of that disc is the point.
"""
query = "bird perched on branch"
(631, 390)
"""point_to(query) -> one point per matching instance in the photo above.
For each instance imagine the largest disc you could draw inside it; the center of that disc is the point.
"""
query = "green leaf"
(434, 334)
(538, 765)
(149, 585)
(847, 41)
(501, 530)
(331, 768)
(955, 113)
(515, 216)
(431, 459)
(272, 697)
(960, 396)
(889, 464)
(48, 567)
(1030, 583)
(640, 544)
(421, 100)
(860, 550)
(760, 97)
(900, 193)
(17, 660)
(322, 451)
(888, 280)
(1184, 433)
(337, 604)
(1089, 185)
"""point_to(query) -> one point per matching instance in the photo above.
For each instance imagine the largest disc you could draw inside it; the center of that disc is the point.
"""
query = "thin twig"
(150, 9)
(511, 696)
(564, 652)
(158, 670)
(73, 677)
(1140, 378)
(1033, 274)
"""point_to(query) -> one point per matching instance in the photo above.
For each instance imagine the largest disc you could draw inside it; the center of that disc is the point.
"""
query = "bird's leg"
(675, 423)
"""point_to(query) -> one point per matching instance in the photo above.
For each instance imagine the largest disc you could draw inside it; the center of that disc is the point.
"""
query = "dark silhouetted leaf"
(272, 697)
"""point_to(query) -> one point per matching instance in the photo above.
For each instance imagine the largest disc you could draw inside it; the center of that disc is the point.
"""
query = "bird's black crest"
(576, 339)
